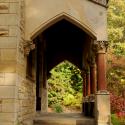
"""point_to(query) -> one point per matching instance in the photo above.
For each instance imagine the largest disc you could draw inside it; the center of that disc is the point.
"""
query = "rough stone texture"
(26, 96)
(17, 95)
(102, 108)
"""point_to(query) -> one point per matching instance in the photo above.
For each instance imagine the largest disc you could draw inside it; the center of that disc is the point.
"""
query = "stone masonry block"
(10, 78)
(9, 106)
(14, 1)
(6, 123)
(2, 79)
(0, 105)
(4, 1)
(4, 7)
(8, 67)
(4, 30)
(8, 42)
(8, 117)
(14, 7)
(8, 19)
(8, 92)
(8, 54)
(13, 30)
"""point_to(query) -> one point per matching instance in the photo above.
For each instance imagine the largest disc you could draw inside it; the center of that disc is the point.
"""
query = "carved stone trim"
(100, 46)
(100, 2)
(29, 45)
(3, 32)
(3, 6)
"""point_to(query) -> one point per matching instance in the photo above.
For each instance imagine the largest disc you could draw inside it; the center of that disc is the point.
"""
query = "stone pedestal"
(102, 108)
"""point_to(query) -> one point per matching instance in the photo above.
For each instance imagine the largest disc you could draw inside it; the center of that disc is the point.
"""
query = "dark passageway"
(64, 41)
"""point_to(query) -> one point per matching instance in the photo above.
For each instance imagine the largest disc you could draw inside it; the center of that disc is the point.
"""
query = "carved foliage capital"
(28, 46)
(100, 46)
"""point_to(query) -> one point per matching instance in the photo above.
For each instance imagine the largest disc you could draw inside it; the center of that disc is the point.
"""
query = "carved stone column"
(102, 97)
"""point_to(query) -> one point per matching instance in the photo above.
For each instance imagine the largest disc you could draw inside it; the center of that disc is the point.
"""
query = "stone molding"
(100, 2)
(3, 32)
(3, 7)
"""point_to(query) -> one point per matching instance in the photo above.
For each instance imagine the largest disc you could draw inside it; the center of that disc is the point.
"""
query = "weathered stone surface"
(2, 79)
(8, 54)
(8, 92)
(8, 42)
(9, 106)
(8, 67)
(8, 19)
(13, 30)
(10, 79)
(102, 109)
(4, 8)
(8, 117)
(0, 105)
(2, 1)
(7, 123)
(14, 7)
(3, 30)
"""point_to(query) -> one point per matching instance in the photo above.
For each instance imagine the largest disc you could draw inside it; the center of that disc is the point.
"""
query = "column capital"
(100, 46)
(28, 46)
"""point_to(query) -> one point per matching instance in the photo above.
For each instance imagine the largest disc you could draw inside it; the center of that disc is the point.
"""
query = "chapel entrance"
(63, 41)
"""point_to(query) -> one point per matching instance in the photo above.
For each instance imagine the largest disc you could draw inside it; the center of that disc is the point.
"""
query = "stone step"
(63, 119)
(64, 122)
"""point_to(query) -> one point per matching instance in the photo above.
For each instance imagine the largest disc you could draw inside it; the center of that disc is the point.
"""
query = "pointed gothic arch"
(84, 26)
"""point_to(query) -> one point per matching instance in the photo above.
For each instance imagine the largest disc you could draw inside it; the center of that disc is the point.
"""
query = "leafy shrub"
(121, 116)
(116, 80)
(117, 104)
(115, 120)
(58, 108)
(65, 85)
(68, 99)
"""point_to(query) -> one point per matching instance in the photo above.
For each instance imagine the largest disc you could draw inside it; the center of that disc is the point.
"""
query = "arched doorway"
(65, 89)
(61, 41)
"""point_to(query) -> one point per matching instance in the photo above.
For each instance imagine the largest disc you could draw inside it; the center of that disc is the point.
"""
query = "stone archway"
(67, 38)
(84, 26)
(61, 41)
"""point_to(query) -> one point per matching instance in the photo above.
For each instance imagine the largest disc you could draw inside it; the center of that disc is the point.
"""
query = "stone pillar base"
(102, 108)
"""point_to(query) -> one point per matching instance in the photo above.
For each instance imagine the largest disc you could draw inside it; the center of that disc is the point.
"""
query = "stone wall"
(17, 95)
(26, 101)
(8, 54)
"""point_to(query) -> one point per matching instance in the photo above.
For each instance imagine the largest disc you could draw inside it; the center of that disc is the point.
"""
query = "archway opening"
(61, 41)
(65, 88)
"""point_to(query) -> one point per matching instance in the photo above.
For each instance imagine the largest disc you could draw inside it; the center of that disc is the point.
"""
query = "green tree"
(116, 34)
(116, 26)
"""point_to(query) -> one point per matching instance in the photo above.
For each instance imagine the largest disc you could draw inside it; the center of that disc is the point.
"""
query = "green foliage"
(116, 26)
(58, 108)
(116, 80)
(115, 120)
(65, 85)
